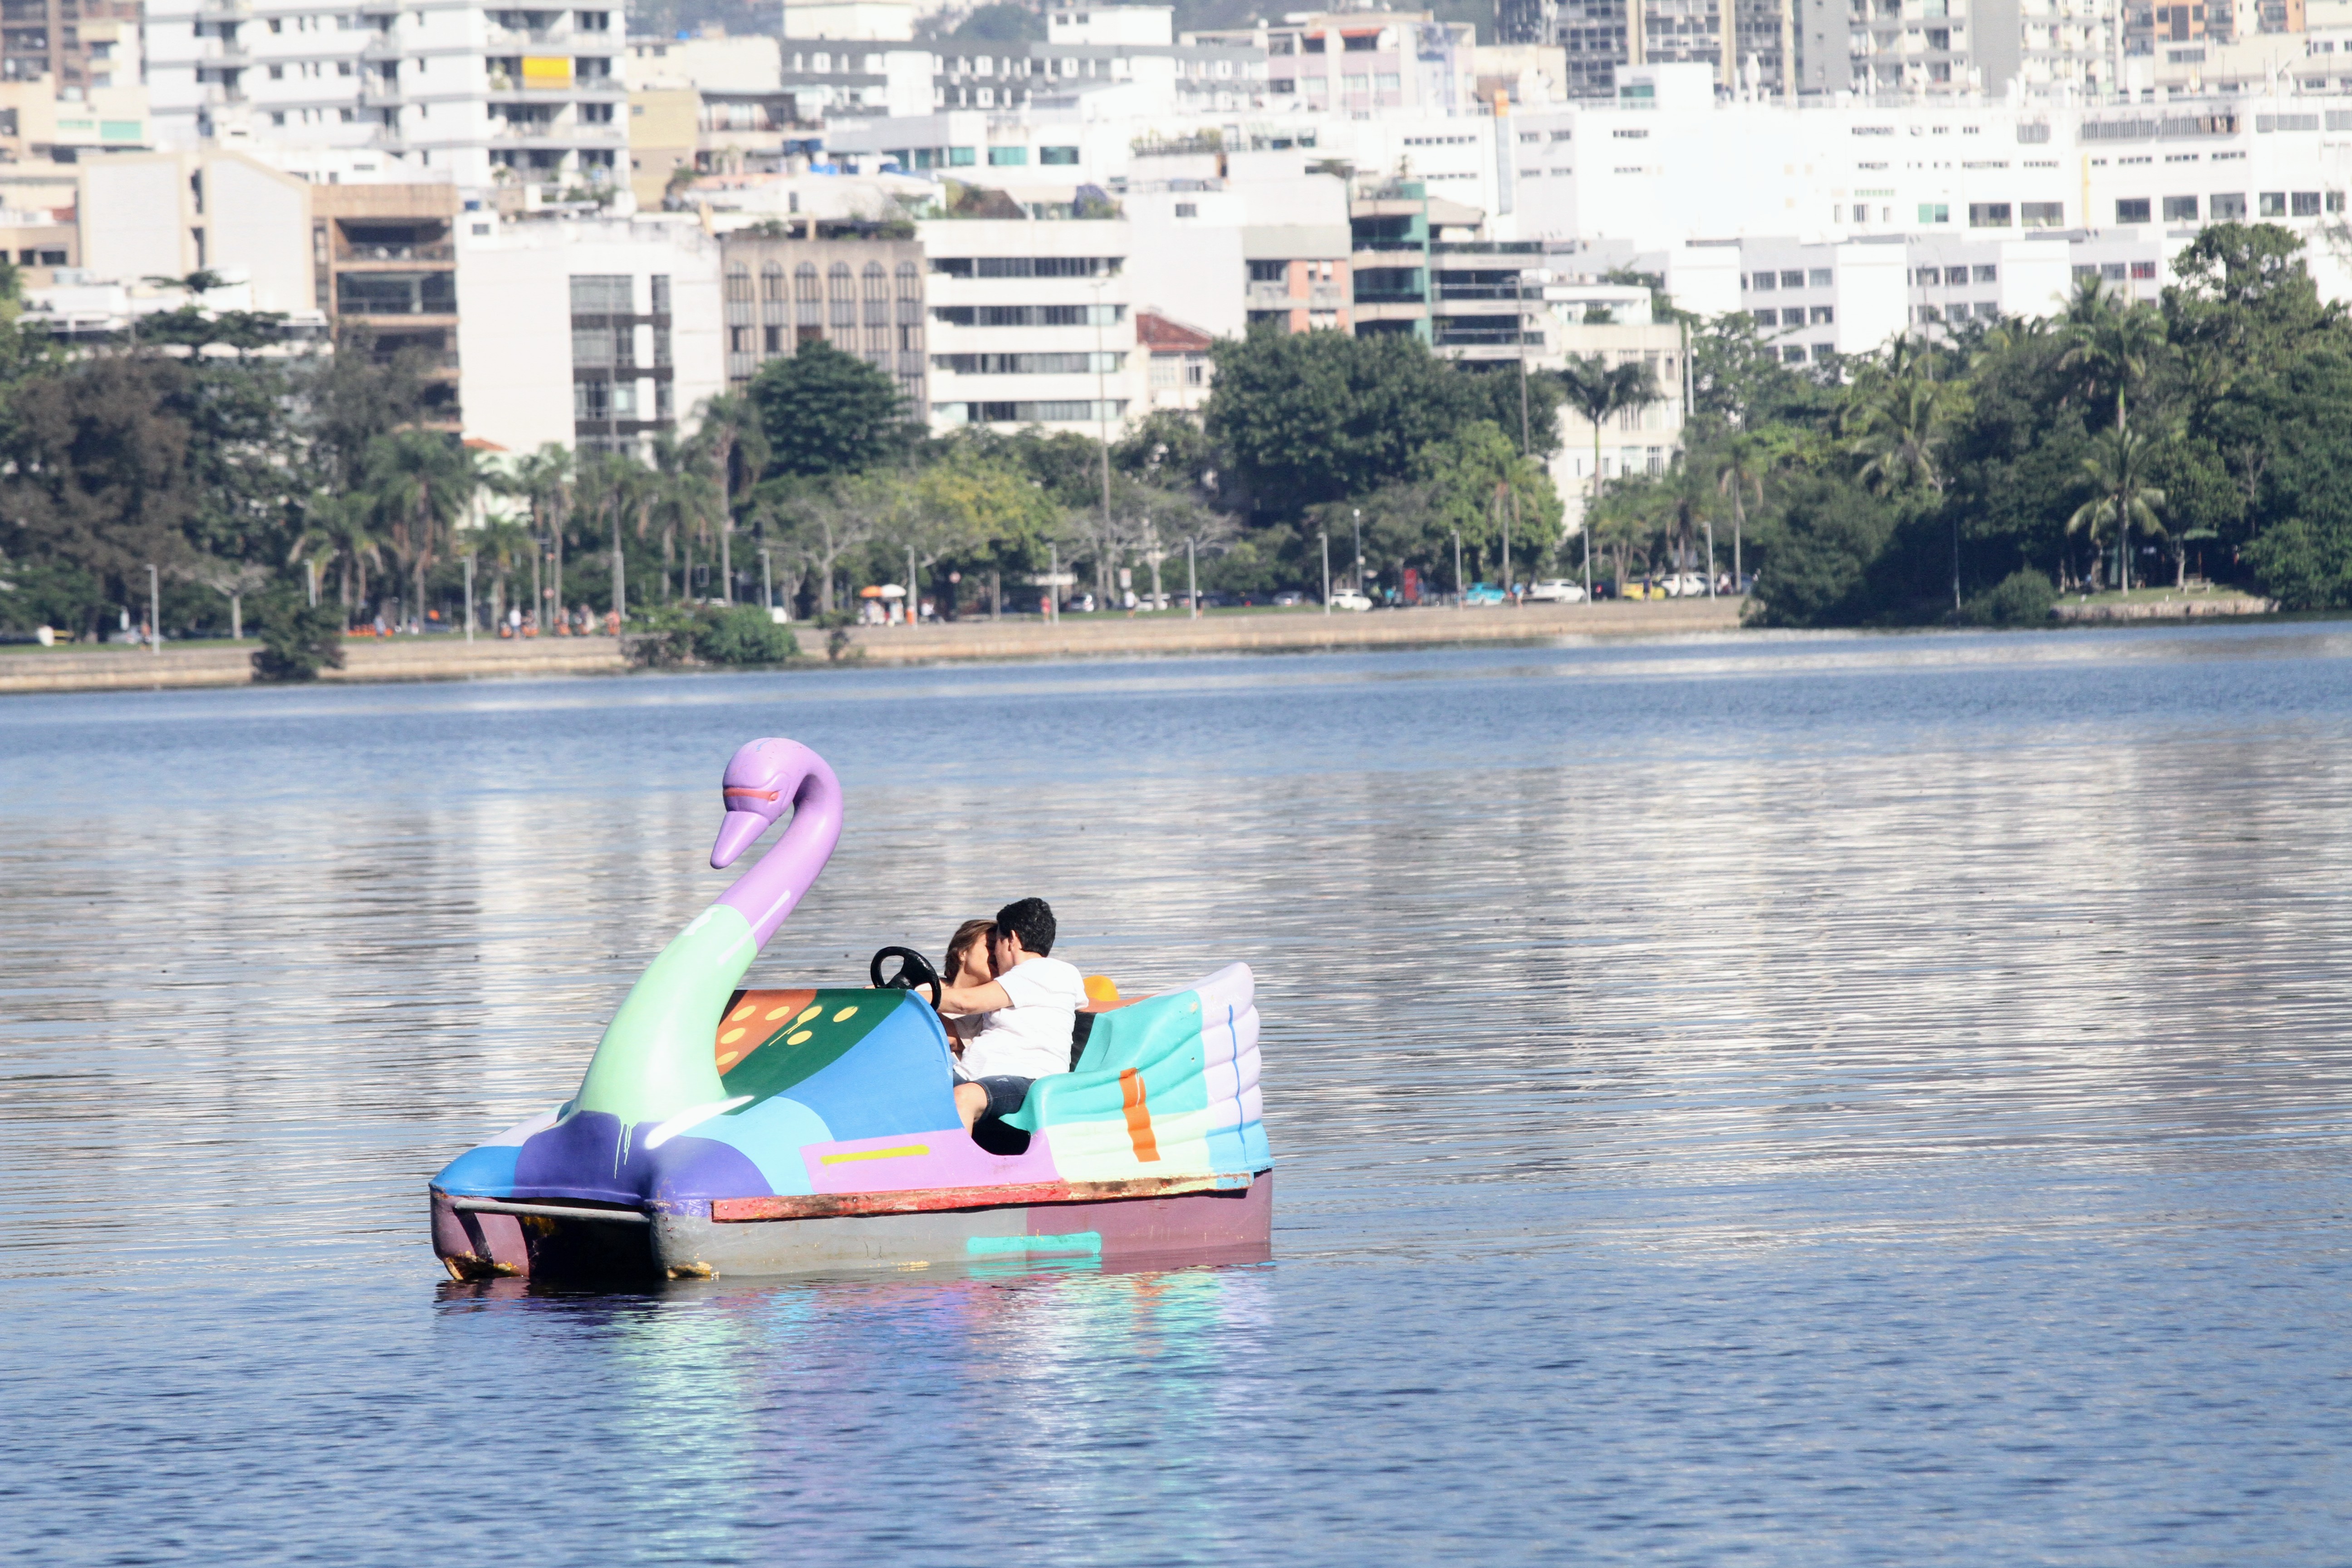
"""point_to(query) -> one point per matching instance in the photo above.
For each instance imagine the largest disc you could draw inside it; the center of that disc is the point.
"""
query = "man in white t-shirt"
(1026, 1013)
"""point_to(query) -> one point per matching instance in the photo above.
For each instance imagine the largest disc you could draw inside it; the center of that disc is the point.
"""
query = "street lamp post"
(1191, 579)
(311, 571)
(1052, 582)
(1520, 321)
(1360, 549)
(1458, 600)
(154, 613)
(1102, 401)
(469, 598)
(911, 585)
(767, 584)
(1326, 540)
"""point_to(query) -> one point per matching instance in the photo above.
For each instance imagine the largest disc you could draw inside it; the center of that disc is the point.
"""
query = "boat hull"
(1118, 1223)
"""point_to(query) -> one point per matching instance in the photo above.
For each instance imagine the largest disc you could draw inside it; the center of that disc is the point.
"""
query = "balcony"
(363, 254)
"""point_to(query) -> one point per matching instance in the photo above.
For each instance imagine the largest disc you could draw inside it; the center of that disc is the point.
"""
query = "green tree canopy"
(1315, 417)
(826, 412)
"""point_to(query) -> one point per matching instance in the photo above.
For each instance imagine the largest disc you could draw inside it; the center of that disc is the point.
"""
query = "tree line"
(239, 471)
(1977, 474)
(1973, 474)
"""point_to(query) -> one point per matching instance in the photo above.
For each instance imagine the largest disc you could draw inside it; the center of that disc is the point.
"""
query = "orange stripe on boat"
(1139, 1117)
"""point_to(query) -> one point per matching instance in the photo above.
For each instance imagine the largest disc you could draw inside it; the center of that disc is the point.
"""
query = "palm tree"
(340, 532)
(1896, 421)
(1747, 456)
(732, 440)
(503, 542)
(1597, 389)
(2119, 466)
(421, 481)
(545, 480)
(2112, 341)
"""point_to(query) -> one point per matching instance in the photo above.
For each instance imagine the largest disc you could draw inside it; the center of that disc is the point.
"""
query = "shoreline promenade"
(120, 668)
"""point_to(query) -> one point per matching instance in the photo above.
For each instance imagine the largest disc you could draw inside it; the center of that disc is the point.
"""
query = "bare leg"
(970, 1100)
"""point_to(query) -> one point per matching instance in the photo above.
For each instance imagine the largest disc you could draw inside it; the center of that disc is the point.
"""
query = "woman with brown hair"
(966, 964)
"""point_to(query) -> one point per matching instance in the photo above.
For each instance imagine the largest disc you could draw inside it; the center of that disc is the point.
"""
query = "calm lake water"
(1820, 1101)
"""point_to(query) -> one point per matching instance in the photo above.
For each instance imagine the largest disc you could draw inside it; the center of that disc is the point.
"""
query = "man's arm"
(983, 998)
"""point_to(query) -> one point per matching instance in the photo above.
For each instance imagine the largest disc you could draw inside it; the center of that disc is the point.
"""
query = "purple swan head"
(764, 780)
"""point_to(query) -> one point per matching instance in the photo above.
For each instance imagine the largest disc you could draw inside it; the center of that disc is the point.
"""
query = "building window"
(2181, 209)
(961, 157)
(2043, 215)
(1823, 315)
(1935, 211)
(2228, 207)
(1765, 280)
(738, 285)
(772, 284)
(2274, 203)
(1058, 155)
(841, 289)
(602, 294)
(1818, 277)
(2132, 209)
(1008, 157)
(2144, 270)
(1269, 271)
(2305, 204)
(878, 295)
(1792, 279)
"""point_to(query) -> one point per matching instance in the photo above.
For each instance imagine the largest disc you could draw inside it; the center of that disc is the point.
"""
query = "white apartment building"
(1815, 301)
(593, 332)
(1954, 47)
(167, 215)
(1959, 169)
(1031, 323)
(486, 94)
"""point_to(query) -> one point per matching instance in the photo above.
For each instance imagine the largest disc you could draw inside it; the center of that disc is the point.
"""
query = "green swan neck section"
(656, 1060)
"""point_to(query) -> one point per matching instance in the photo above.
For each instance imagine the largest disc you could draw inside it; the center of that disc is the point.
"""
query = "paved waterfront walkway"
(437, 658)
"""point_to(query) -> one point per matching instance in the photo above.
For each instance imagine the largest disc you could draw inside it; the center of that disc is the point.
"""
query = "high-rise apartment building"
(852, 284)
(487, 94)
(597, 333)
(80, 43)
(1601, 36)
(1952, 48)
(1031, 322)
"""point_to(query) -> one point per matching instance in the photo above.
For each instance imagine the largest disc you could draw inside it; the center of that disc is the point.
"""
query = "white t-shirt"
(1031, 1037)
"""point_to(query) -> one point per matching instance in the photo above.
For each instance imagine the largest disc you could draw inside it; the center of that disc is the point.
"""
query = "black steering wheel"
(915, 971)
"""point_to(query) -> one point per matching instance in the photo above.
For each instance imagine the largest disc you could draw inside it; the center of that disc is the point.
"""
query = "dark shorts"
(1006, 1093)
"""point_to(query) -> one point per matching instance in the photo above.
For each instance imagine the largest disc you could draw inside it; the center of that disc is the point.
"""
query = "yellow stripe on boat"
(877, 1154)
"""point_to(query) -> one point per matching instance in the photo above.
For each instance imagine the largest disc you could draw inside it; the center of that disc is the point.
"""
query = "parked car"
(1557, 591)
(1348, 599)
(1479, 595)
(1685, 585)
(1289, 599)
(1080, 605)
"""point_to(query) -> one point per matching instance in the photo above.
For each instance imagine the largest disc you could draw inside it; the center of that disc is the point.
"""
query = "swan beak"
(739, 832)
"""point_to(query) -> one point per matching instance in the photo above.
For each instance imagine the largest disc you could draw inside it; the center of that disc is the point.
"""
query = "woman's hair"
(965, 935)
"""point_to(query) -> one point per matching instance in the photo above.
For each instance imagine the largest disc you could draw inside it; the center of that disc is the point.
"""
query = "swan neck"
(767, 893)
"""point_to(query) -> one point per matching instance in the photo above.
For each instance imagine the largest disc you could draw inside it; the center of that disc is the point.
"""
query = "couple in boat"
(1009, 1008)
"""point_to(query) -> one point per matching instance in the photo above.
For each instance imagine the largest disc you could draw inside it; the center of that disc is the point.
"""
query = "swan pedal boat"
(723, 1131)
